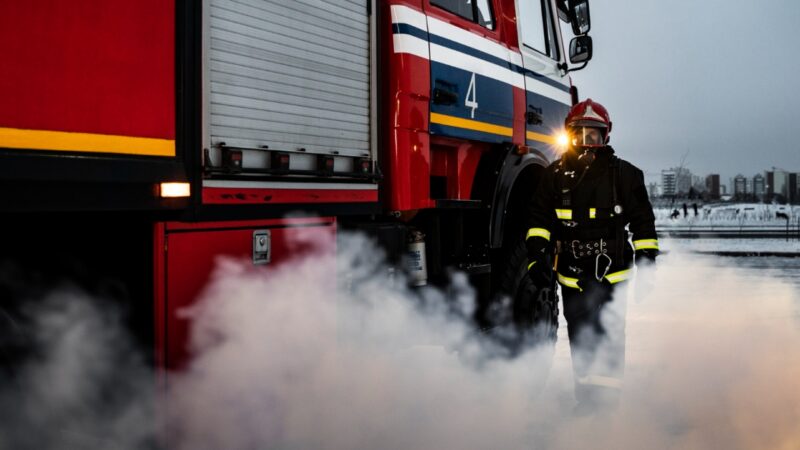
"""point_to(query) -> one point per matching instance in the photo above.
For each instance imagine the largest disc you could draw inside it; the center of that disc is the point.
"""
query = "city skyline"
(680, 83)
(773, 184)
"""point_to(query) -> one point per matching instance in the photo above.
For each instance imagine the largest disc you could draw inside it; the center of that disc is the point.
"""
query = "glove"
(540, 273)
(539, 268)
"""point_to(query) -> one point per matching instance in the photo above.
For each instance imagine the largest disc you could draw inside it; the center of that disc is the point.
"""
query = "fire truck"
(139, 140)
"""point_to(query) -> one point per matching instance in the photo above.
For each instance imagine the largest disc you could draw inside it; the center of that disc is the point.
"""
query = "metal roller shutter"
(290, 75)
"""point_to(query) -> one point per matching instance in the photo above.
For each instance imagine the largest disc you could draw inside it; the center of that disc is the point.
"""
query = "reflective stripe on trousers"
(596, 328)
(600, 381)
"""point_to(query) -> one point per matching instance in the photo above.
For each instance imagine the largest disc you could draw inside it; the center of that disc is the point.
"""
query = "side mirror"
(579, 16)
(580, 49)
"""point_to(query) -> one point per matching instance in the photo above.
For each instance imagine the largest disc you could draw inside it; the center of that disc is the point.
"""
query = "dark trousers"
(596, 328)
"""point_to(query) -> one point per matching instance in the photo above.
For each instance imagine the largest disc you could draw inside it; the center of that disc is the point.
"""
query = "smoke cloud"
(289, 361)
(371, 366)
(712, 362)
(78, 381)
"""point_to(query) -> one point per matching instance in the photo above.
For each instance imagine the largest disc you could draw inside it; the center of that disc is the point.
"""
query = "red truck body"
(444, 122)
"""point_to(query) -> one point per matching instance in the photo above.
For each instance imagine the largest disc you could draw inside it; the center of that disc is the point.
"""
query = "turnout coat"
(584, 211)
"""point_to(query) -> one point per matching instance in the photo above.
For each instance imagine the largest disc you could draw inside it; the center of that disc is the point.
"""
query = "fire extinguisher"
(416, 264)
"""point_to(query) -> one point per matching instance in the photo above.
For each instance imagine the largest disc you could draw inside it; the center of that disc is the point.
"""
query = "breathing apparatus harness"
(583, 248)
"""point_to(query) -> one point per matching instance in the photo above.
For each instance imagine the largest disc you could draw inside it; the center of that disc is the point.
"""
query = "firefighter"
(579, 222)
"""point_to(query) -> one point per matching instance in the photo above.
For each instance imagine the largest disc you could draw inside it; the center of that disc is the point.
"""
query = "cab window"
(478, 11)
(537, 30)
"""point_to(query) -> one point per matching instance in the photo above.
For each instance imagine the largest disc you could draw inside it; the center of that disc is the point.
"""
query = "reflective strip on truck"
(469, 124)
(85, 142)
(465, 50)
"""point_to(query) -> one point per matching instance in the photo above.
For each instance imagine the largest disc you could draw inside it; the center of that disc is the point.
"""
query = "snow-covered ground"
(727, 214)
(704, 245)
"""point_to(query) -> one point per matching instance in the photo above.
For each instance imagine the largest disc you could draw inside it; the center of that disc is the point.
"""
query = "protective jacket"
(584, 210)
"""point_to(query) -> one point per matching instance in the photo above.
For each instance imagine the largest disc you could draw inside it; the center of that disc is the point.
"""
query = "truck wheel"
(532, 311)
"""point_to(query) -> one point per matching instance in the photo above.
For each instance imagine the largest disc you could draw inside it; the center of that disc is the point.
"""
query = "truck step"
(458, 204)
(475, 268)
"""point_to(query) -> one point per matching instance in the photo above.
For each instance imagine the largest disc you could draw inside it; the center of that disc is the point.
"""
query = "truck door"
(546, 86)
(472, 74)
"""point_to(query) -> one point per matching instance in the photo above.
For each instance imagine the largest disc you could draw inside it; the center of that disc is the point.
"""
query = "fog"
(288, 361)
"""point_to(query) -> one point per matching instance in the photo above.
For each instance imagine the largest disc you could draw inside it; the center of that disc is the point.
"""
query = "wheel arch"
(505, 180)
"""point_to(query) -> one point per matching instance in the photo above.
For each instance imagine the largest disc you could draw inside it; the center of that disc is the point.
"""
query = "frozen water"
(707, 245)
(727, 214)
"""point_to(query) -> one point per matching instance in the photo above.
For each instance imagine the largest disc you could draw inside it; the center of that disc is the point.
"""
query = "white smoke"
(373, 365)
(335, 352)
(713, 361)
(82, 384)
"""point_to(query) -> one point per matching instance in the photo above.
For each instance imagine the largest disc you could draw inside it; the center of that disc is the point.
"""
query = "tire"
(521, 315)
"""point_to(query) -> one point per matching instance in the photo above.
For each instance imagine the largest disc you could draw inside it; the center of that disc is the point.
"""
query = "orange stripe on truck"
(469, 124)
(85, 142)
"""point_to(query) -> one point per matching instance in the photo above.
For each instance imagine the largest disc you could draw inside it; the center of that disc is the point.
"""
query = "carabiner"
(597, 266)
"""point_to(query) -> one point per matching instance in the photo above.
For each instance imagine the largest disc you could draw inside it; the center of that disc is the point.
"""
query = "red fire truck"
(141, 139)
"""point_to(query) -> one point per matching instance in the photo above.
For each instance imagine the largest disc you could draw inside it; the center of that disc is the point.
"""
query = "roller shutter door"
(289, 74)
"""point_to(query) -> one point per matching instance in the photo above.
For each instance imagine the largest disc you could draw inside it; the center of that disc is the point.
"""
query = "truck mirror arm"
(565, 67)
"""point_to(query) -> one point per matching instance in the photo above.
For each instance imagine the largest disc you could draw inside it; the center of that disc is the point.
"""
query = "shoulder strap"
(564, 193)
(619, 222)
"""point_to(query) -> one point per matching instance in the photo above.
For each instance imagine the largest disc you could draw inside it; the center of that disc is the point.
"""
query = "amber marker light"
(173, 190)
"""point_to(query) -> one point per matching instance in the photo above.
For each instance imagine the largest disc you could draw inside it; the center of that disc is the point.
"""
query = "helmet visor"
(587, 136)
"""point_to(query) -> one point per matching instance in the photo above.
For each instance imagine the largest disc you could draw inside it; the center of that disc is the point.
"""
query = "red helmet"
(585, 116)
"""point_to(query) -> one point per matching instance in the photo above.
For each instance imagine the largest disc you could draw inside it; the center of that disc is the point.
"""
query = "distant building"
(759, 186)
(652, 190)
(677, 181)
(698, 189)
(770, 188)
(739, 187)
(668, 183)
(777, 189)
(794, 195)
(683, 180)
(713, 186)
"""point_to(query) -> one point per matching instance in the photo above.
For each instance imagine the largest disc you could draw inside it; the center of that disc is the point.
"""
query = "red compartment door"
(186, 257)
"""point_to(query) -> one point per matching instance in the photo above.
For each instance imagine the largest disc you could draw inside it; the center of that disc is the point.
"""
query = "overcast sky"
(715, 79)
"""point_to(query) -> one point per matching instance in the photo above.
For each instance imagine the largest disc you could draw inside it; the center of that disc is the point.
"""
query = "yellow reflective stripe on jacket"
(564, 214)
(531, 265)
(592, 213)
(538, 232)
(622, 275)
(569, 282)
(600, 380)
(643, 244)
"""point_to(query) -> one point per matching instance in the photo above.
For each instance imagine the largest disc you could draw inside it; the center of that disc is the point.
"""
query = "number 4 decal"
(472, 96)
